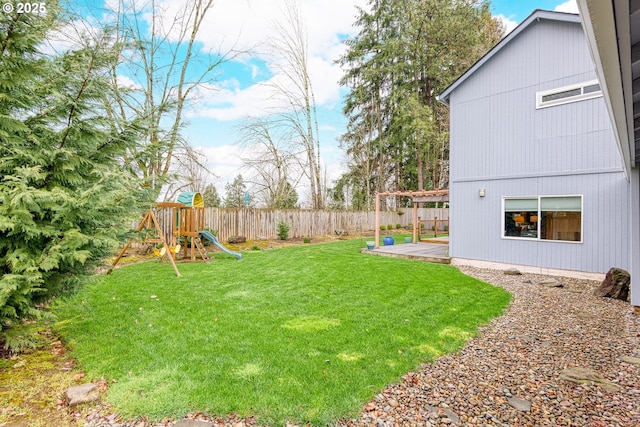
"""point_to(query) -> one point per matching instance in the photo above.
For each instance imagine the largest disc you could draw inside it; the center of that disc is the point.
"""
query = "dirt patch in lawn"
(32, 385)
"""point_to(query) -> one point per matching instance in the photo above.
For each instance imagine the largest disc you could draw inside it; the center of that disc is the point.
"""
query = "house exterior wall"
(634, 235)
(500, 142)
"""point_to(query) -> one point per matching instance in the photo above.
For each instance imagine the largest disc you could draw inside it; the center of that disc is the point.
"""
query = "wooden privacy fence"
(435, 224)
(263, 223)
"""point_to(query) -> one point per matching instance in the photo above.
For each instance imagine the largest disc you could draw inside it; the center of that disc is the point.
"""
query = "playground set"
(177, 226)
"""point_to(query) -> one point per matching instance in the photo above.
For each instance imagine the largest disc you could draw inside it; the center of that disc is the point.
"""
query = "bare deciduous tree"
(191, 173)
(274, 162)
(163, 64)
(295, 93)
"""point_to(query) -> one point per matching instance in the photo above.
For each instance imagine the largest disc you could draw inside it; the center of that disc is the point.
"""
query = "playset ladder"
(201, 248)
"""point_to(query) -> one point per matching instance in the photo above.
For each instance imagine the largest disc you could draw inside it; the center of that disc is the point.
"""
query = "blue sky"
(240, 87)
(515, 11)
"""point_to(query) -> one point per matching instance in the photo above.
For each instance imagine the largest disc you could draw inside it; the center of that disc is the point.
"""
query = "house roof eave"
(606, 26)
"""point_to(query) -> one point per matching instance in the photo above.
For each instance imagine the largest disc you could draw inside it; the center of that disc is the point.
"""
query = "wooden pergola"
(423, 196)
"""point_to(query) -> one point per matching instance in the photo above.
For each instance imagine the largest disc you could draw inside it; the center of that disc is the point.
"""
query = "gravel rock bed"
(510, 374)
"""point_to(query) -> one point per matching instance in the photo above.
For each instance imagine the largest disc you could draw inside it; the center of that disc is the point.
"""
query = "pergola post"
(415, 222)
(418, 197)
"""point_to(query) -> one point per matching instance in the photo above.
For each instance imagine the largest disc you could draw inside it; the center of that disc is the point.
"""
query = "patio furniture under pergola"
(423, 196)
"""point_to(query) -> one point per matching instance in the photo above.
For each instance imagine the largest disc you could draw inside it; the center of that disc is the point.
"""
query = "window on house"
(543, 218)
(566, 94)
(521, 218)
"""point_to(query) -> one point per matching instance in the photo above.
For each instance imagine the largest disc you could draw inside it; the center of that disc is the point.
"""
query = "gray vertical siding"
(500, 142)
(476, 223)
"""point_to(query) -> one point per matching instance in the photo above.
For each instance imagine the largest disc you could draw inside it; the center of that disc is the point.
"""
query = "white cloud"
(127, 83)
(509, 24)
(225, 161)
(75, 34)
(227, 101)
(570, 6)
(225, 155)
(245, 25)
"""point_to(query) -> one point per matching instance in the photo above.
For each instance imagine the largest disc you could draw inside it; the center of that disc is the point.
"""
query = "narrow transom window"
(566, 94)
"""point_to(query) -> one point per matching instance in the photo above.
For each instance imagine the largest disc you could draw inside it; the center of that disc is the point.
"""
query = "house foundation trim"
(466, 262)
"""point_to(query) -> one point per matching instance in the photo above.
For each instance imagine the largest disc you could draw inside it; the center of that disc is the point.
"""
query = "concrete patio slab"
(430, 252)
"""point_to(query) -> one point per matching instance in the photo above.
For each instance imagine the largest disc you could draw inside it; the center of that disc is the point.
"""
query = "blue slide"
(213, 239)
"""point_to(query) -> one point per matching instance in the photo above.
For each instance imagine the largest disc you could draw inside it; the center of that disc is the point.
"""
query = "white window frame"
(537, 238)
(575, 98)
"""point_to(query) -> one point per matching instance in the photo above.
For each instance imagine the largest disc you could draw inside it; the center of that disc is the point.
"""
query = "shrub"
(307, 240)
(383, 227)
(283, 230)
(446, 228)
(398, 226)
(389, 226)
(65, 197)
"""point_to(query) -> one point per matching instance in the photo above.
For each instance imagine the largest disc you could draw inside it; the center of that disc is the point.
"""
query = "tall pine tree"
(406, 53)
(64, 196)
(211, 197)
(236, 191)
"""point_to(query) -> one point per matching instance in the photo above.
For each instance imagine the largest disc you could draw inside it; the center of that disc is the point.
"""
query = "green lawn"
(306, 334)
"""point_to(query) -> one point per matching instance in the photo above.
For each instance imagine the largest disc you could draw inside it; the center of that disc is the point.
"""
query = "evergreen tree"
(235, 193)
(211, 197)
(407, 52)
(64, 197)
(287, 197)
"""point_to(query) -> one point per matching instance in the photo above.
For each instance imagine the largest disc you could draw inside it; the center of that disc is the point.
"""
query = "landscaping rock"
(85, 393)
(520, 404)
(237, 239)
(512, 272)
(586, 376)
(550, 283)
(449, 414)
(631, 360)
(615, 285)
